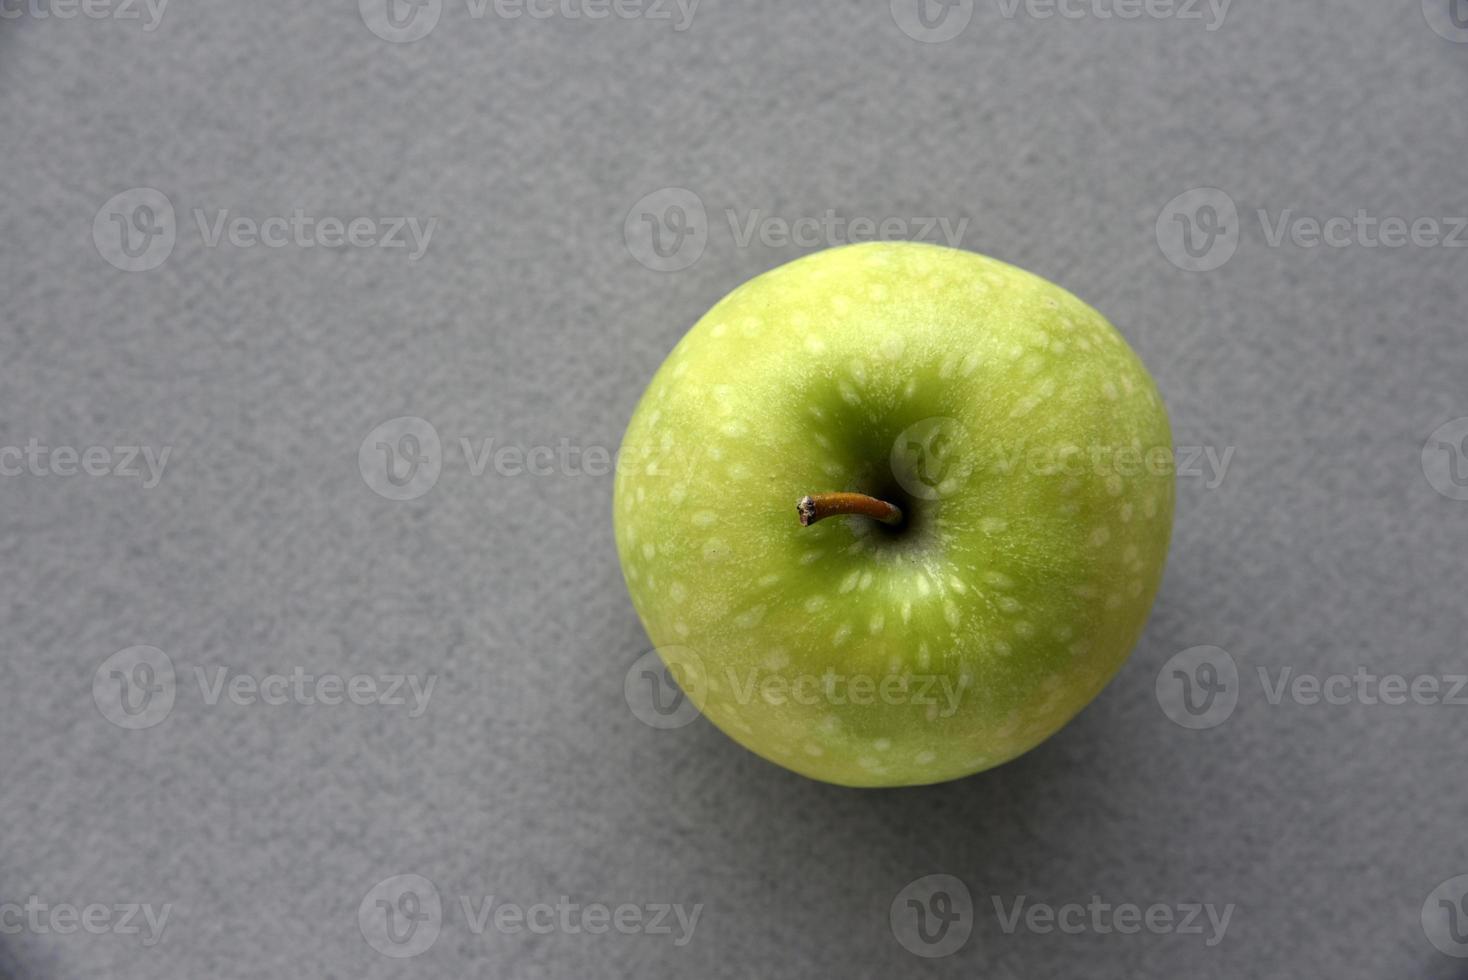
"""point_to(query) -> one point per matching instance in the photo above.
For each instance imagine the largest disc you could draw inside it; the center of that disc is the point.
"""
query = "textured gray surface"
(529, 321)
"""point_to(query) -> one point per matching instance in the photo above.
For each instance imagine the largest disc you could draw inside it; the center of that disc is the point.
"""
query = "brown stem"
(823, 505)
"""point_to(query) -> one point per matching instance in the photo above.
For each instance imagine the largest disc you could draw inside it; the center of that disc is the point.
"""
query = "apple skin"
(1012, 423)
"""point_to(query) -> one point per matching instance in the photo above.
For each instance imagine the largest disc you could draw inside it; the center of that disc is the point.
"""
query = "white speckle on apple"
(999, 580)
(750, 617)
(649, 550)
(970, 364)
(810, 557)
(842, 634)
(958, 584)
(1100, 536)
(1023, 630)
(993, 525)
(718, 330)
(814, 344)
(714, 549)
(866, 580)
(906, 612)
(677, 592)
(867, 762)
(1010, 604)
(849, 582)
(681, 628)
(705, 518)
(951, 613)
(812, 749)
(814, 603)
(876, 623)
(767, 581)
(924, 757)
(1109, 390)
(1125, 514)
(882, 744)
(1002, 648)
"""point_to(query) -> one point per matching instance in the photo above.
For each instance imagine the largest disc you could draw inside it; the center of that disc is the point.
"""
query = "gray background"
(529, 321)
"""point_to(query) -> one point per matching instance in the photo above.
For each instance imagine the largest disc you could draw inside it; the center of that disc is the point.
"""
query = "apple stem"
(820, 506)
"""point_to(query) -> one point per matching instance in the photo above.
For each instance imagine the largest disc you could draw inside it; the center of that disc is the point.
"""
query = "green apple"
(989, 474)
